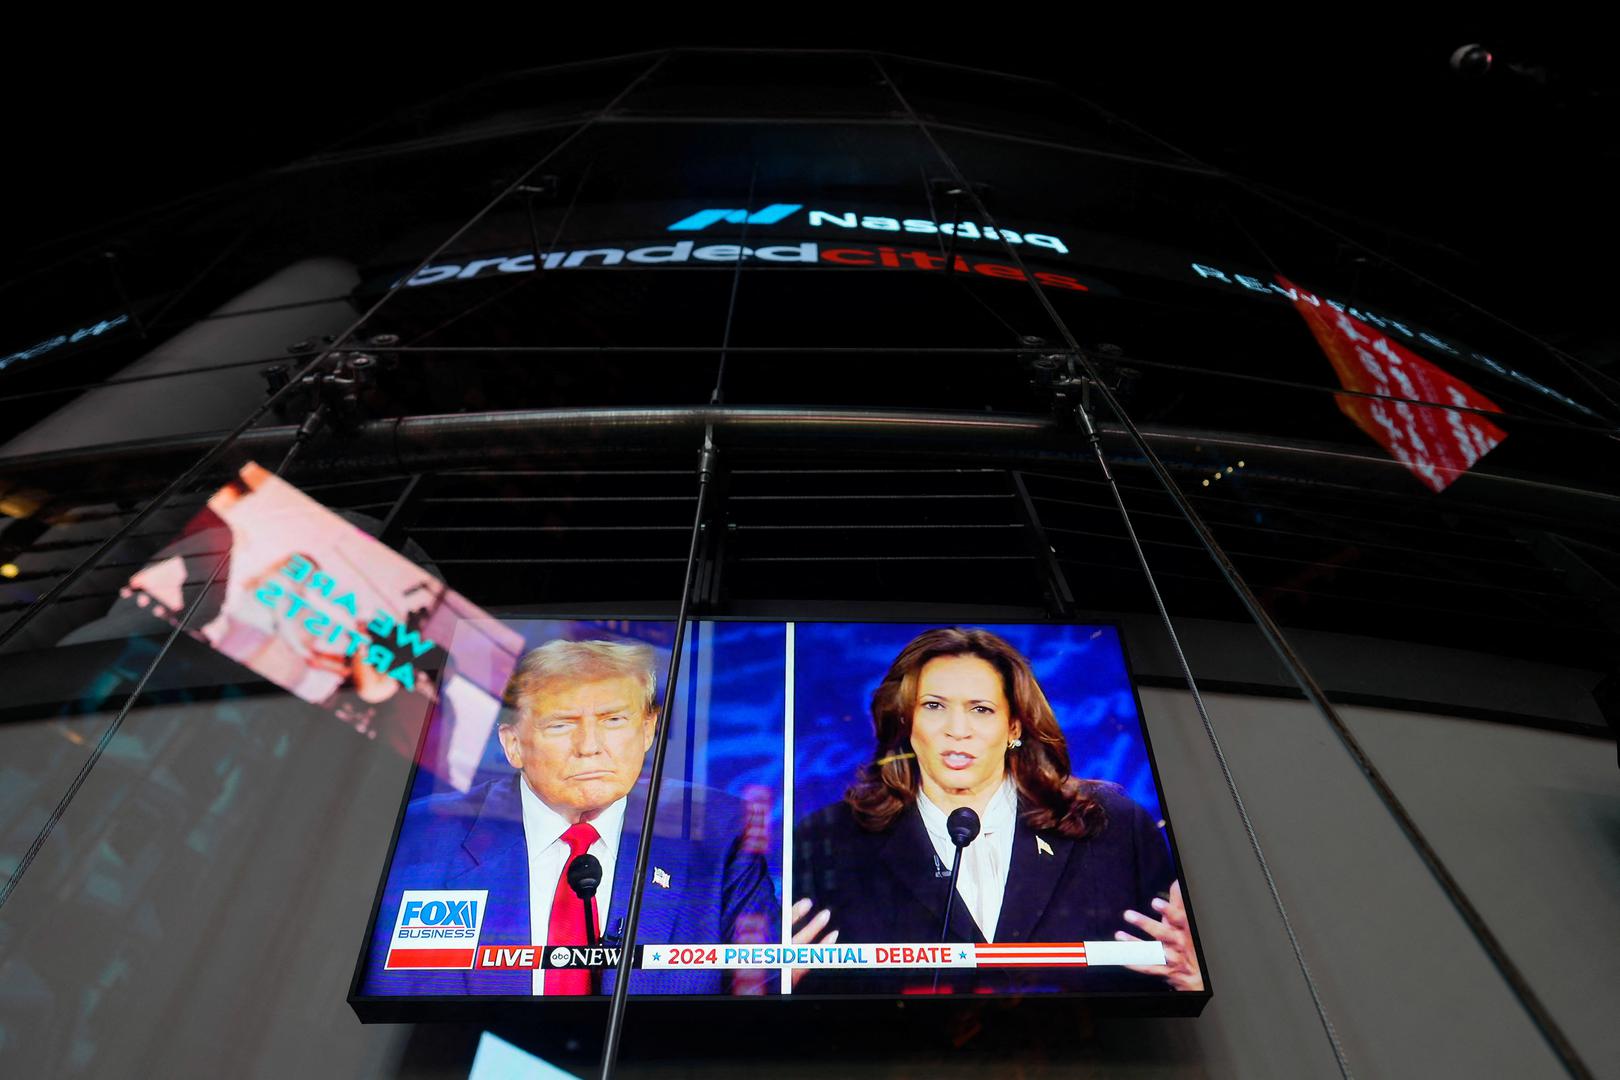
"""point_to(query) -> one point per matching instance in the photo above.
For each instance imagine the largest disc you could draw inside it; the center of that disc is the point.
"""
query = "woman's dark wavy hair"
(1052, 798)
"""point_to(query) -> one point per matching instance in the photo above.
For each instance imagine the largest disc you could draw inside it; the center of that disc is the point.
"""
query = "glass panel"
(1025, 108)
(1431, 532)
(762, 83)
(507, 459)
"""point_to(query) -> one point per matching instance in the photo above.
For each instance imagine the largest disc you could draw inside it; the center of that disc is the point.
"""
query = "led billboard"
(850, 809)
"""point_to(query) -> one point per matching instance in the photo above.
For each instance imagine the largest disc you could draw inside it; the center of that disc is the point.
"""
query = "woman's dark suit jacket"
(890, 886)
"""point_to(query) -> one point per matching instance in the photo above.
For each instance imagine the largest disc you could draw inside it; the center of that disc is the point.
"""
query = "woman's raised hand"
(1170, 929)
(806, 929)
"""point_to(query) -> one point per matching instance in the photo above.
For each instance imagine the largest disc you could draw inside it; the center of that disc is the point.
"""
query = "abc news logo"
(574, 956)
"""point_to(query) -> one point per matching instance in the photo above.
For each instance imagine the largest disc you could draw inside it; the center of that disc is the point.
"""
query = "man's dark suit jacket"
(890, 886)
(475, 841)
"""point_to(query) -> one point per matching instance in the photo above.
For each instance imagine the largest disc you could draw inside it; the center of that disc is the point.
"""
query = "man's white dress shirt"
(986, 861)
(548, 859)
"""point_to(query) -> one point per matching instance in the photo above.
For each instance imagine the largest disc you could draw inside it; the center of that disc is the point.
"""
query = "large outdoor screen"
(848, 809)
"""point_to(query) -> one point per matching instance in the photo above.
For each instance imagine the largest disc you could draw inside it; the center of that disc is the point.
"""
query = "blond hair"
(579, 661)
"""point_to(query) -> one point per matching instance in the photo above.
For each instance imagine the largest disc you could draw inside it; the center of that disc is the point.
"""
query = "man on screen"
(578, 720)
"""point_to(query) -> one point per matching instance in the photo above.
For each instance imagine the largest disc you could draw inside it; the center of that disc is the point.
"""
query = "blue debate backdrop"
(1080, 668)
(728, 726)
(729, 719)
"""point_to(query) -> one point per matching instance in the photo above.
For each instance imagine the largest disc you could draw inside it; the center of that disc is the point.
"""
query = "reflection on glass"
(312, 604)
(1437, 445)
(483, 895)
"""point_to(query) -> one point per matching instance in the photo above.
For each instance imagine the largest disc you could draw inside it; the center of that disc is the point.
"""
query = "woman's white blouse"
(985, 862)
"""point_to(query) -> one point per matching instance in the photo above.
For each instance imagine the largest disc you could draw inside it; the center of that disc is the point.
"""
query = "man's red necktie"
(567, 924)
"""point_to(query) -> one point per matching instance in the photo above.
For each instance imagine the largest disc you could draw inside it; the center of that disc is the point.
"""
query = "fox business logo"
(437, 929)
(439, 919)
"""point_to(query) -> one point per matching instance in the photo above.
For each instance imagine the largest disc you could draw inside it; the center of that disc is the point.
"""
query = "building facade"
(817, 335)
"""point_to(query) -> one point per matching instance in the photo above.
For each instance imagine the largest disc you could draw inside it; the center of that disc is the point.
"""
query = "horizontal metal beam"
(611, 436)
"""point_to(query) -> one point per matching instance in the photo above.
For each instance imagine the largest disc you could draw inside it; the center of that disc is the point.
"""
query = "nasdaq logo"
(849, 219)
(704, 218)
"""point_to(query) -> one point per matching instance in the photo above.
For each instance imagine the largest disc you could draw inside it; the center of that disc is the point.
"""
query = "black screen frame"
(675, 1021)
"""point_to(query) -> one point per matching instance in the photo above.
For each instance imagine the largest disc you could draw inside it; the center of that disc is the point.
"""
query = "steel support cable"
(638, 881)
(1573, 363)
(502, 294)
(1220, 754)
(638, 885)
(183, 202)
(945, 255)
(772, 350)
(717, 395)
(1548, 420)
(1279, 199)
(1552, 418)
(876, 350)
(1147, 572)
(1095, 441)
(808, 471)
(562, 350)
(179, 295)
(190, 475)
(467, 90)
(986, 350)
(1021, 557)
(266, 309)
(117, 721)
(816, 350)
(1324, 538)
(151, 216)
(130, 380)
(463, 440)
(1557, 1041)
(1520, 591)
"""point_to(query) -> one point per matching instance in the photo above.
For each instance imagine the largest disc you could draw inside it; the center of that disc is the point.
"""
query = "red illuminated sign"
(1438, 444)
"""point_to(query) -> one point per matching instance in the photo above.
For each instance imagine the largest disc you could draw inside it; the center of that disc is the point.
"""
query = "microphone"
(962, 827)
(584, 877)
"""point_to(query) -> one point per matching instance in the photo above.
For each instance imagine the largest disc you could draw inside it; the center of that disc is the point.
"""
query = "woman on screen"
(962, 722)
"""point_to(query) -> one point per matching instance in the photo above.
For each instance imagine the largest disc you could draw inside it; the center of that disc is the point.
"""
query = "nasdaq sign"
(821, 219)
(704, 218)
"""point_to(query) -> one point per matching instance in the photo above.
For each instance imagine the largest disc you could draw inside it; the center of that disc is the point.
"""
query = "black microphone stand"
(707, 467)
(962, 826)
(590, 942)
(585, 877)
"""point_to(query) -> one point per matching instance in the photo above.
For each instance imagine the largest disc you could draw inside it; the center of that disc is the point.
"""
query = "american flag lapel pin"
(660, 877)
(1042, 846)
